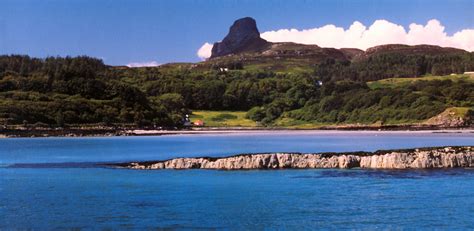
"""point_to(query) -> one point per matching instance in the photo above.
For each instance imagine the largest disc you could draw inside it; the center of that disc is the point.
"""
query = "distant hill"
(409, 50)
(243, 47)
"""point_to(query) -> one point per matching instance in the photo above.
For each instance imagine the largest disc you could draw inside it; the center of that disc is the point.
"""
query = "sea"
(62, 183)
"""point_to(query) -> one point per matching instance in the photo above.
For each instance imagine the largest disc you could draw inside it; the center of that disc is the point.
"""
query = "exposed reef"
(422, 158)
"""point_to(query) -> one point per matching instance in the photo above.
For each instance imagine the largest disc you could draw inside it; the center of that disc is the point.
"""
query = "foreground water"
(42, 197)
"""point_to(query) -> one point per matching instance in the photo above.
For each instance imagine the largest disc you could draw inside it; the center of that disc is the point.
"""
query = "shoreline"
(417, 158)
(37, 133)
(219, 131)
(297, 131)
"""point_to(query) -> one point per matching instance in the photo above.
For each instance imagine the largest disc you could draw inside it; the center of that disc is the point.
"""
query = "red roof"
(199, 123)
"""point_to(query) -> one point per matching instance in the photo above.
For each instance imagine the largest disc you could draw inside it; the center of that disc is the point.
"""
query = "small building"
(471, 73)
(199, 123)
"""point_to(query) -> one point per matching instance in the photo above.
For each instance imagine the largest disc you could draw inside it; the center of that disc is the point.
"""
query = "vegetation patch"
(453, 117)
(403, 82)
(223, 118)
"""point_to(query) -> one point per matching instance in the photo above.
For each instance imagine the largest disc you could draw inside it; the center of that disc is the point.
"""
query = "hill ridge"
(243, 43)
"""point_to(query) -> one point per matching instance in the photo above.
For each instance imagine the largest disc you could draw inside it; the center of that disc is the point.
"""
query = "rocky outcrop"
(443, 157)
(350, 53)
(452, 117)
(243, 36)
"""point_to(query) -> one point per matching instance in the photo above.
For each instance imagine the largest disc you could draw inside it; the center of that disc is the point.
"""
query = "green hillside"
(61, 92)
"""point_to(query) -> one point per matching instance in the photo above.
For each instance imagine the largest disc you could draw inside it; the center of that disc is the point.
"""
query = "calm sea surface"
(60, 187)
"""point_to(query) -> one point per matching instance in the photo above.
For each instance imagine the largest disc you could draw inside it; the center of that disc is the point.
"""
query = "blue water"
(98, 198)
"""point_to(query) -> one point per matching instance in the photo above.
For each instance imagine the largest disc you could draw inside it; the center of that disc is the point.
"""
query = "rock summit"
(243, 36)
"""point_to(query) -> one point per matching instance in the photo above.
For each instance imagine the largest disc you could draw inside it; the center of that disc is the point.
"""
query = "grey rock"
(445, 157)
(243, 36)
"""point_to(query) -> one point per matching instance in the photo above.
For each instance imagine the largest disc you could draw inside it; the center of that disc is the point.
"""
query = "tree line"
(57, 91)
(393, 65)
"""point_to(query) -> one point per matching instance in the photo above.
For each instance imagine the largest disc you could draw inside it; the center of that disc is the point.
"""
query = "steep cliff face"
(243, 36)
(446, 157)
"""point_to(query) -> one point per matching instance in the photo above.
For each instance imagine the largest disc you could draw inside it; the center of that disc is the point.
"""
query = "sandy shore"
(289, 131)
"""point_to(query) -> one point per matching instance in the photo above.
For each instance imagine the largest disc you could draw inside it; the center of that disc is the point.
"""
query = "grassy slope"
(392, 82)
(212, 119)
(298, 124)
(209, 117)
(293, 123)
(459, 111)
(223, 118)
(284, 66)
(402, 82)
(399, 82)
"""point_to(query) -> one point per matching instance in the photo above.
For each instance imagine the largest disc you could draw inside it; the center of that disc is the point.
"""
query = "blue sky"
(122, 32)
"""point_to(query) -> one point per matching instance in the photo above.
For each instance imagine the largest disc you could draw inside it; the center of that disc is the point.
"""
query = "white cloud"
(205, 51)
(380, 32)
(144, 64)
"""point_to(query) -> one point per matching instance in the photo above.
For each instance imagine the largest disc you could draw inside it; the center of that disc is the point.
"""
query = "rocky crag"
(243, 36)
(423, 158)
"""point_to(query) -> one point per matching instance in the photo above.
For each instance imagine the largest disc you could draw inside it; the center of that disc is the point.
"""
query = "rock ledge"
(423, 158)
